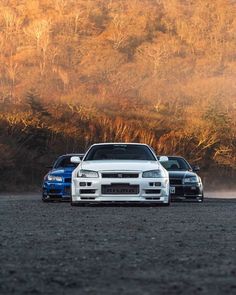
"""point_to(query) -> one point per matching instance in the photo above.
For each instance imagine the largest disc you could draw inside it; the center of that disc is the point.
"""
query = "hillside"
(75, 72)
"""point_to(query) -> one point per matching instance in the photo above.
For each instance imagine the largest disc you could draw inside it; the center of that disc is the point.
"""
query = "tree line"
(77, 72)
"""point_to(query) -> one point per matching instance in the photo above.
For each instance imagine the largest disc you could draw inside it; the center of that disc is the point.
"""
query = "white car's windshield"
(120, 152)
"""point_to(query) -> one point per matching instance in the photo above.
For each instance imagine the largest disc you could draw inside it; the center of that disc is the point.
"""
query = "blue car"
(57, 182)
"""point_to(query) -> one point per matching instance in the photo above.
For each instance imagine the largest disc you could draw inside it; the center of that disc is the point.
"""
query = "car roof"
(119, 143)
(170, 156)
(71, 155)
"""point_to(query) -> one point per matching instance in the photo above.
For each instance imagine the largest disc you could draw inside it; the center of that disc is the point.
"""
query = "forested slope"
(75, 72)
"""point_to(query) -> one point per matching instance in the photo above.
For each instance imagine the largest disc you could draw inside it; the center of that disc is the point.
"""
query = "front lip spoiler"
(185, 198)
(119, 203)
(56, 199)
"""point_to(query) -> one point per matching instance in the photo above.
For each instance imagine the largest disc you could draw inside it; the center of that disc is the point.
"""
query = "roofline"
(170, 156)
(123, 143)
(73, 154)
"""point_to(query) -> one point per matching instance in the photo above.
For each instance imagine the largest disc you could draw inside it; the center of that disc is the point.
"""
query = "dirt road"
(187, 248)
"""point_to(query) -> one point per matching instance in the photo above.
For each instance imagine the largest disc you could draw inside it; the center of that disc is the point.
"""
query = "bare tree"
(39, 31)
(63, 75)
(12, 21)
(118, 33)
(156, 54)
(60, 5)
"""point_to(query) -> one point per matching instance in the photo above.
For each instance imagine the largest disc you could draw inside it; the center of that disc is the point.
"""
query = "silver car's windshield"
(120, 152)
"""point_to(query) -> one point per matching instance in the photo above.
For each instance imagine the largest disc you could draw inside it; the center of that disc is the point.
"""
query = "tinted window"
(120, 152)
(64, 162)
(175, 164)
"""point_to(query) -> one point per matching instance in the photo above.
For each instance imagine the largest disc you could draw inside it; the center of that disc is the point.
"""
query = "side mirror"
(75, 160)
(163, 159)
(196, 168)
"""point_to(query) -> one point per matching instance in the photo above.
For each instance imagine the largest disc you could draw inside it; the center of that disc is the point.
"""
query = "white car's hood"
(120, 165)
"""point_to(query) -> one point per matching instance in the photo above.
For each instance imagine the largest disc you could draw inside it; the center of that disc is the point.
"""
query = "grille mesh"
(176, 181)
(120, 175)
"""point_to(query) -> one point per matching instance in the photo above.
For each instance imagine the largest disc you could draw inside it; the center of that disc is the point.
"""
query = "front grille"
(120, 189)
(191, 190)
(68, 180)
(120, 175)
(179, 191)
(176, 181)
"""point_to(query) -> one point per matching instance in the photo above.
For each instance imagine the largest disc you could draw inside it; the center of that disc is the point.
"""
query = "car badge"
(119, 175)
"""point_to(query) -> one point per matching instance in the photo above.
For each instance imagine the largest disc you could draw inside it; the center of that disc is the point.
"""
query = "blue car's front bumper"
(56, 190)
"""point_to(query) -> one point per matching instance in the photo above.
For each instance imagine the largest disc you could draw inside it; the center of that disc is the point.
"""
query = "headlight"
(87, 174)
(153, 174)
(193, 179)
(54, 178)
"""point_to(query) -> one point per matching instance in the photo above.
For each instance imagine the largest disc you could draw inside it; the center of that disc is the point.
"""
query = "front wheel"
(45, 199)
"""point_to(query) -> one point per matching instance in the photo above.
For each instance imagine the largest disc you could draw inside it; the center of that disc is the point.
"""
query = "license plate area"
(120, 189)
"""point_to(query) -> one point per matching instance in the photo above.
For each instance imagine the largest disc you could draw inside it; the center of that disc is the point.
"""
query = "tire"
(167, 204)
(72, 203)
(45, 200)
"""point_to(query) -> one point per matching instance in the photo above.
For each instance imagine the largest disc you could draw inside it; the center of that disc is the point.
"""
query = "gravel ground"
(54, 248)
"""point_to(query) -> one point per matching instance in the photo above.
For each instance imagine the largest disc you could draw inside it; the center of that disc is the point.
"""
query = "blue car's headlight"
(51, 177)
(153, 174)
(87, 174)
(192, 179)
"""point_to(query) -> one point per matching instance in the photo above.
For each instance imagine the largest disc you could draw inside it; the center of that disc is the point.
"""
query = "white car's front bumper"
(148, 190)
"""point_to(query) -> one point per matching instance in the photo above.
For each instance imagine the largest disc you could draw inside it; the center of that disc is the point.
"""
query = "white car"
(119, 173)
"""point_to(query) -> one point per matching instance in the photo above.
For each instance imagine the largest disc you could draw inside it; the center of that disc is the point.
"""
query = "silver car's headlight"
(153, 174)
(192, 179)
(87, 174)
(51, 177)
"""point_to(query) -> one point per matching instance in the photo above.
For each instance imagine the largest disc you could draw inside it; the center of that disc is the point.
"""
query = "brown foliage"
(160, 72)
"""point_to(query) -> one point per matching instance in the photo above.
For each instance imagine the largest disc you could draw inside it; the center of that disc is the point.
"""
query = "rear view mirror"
(75, 159)
(163, 159)
(196, 168)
